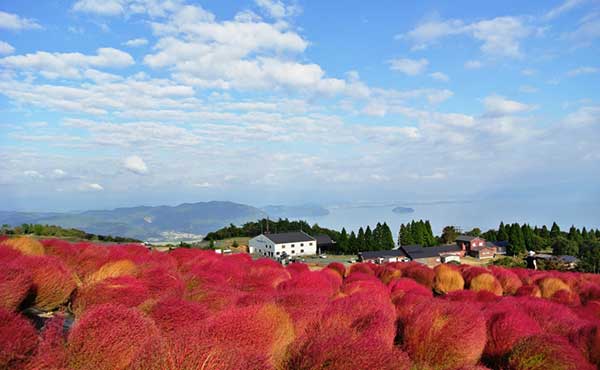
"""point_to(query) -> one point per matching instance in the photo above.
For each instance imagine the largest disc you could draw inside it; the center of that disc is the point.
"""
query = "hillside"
(186, 221)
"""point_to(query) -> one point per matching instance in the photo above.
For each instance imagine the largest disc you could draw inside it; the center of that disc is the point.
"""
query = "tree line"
(60, 232)
(380, 238)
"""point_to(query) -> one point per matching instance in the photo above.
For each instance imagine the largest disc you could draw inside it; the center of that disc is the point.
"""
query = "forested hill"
(254, 228)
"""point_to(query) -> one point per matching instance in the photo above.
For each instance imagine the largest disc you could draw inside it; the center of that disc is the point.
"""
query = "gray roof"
(417, 251)
(291, 237)
(367, 255)
(323, 239)
(465, 238)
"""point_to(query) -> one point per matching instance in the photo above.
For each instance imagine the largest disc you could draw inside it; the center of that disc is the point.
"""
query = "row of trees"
(380, 238)
(417, 232)
(60, 232)
(254, 228)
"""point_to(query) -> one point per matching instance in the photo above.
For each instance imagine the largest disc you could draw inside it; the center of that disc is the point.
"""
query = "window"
(283, 247)
(310, 243)
(277, 253)
(293, 251)
(292, 245)
(302, 244)
(301, 250)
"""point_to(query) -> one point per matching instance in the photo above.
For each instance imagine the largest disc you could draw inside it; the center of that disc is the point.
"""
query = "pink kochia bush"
(194, 309)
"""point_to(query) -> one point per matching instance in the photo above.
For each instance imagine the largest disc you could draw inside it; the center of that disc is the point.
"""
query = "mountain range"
(188, 221)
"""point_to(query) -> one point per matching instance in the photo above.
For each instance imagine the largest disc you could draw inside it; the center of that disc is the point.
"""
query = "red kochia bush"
(444, 335)
(53, 281)
(587, 340)
(114, 337)
(419, 273)
(509, 280)
(15, 283)
(544, 352)
(338, 267)
(17, 340)
(505, 329)
(125, 290)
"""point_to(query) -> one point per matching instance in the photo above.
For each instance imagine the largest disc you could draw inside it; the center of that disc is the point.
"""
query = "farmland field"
(125, 307)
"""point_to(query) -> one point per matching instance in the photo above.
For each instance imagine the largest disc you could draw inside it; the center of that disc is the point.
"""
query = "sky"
(109, 103)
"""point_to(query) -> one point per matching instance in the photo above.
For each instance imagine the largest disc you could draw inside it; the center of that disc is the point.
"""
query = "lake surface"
(466, 215)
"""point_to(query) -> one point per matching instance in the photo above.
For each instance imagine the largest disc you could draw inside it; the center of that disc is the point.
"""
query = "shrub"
(549, 286)
(389, 273)
(587, 340)
(552, 317)
(51, 351)
(341, 349)
(509, 280)
(15, 283)
(542, 352)
(485, 281)
(420, 273)
(338, 267)
(18, 340)
(25, 245)
(114, 337)
(504, 330)
(125, 290)
(447, 279)
(444, 335)
(113, 269)
(529, 290)
(52, 280)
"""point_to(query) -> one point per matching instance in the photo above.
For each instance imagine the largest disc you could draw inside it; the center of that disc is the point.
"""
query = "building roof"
(503, 243)
(291, 237)
(323, 239)
(367, 255)
(417, 251)
(466, 238)
(568, 259)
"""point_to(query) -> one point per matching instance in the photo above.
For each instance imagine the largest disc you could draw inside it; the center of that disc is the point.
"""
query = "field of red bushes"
(191, 309)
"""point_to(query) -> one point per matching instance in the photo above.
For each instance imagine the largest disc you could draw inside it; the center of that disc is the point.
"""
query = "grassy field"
(226, 243)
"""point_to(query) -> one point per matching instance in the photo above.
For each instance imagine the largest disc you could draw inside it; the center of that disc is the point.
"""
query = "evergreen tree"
(516, 243)
(342, 243)
(370, 245)
(449, 235)
(544, 233)
(360, 240)
(565, 246)
(502, 232)
(574, 234)
(527, 237)
(430, 236)
(352, 244)
(584, 234)
(386, 237)
(555, 230)
(377, 239)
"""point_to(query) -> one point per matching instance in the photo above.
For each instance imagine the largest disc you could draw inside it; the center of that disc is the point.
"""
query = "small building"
(500, 246)
(394, 255)
(433, 255)
(296, 243)
(476, 246)
(324, 243)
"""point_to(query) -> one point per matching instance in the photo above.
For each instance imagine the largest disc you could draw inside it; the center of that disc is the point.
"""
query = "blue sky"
(111, 103)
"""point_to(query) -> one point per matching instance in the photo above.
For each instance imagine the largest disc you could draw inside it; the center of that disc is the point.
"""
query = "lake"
(466, 215)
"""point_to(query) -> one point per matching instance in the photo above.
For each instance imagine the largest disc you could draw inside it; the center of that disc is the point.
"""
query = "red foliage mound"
(444, 335)
(18, 340)
(125, 290)
(447, 279)
(419, 273)
(342, 349)
(587, 340)
(509, 280)
(478, 279)
(338, 267)
(114, 337)
(505, 329)
(543, 352)
(53, 282)
(15, 283)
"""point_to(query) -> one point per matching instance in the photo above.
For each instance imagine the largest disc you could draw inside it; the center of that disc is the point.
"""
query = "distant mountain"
(403, 210)
(188, 221)
(305, 210)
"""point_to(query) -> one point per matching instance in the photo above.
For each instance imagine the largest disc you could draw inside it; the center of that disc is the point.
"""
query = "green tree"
(502, 232)
(589, 258)
(555, 230)
(574, 234)
(449, 234)
(370, 244)
(516, 242)
(475, 232)
(387, 239)
(360, 240)
(352, 243)
(564, 246)
(342, 243)
(235, 243)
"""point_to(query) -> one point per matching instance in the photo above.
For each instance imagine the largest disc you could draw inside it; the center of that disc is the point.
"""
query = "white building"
(274, 245)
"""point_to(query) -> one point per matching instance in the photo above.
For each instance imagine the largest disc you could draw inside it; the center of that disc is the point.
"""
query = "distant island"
(403, 210)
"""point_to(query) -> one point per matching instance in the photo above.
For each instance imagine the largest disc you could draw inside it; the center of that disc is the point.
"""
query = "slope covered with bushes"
(192, 309)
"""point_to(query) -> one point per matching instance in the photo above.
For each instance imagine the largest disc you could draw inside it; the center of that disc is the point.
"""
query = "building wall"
(263, 246)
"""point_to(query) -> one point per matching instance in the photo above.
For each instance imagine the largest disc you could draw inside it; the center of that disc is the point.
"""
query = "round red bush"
(18, 340)
(544, 352)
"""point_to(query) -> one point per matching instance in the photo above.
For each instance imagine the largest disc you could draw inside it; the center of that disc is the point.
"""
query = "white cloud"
(499, 106)
(154, 8)
(136, 42)
(59, 173)
(528, 89)
(500, 36)
(135, 164)
(587, 31)
(33, 174)
(90, 187)
(528, 72)
(439, 76)
(584, 116)
(277, 9)
(411, 67)
(562, 8)
(13, 22)
(67, 65)
(6, 48)
(101, 7)
(582, 71)
(204, 184)
(473, 64)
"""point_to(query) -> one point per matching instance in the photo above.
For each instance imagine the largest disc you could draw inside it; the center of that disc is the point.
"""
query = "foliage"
(61, 232)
